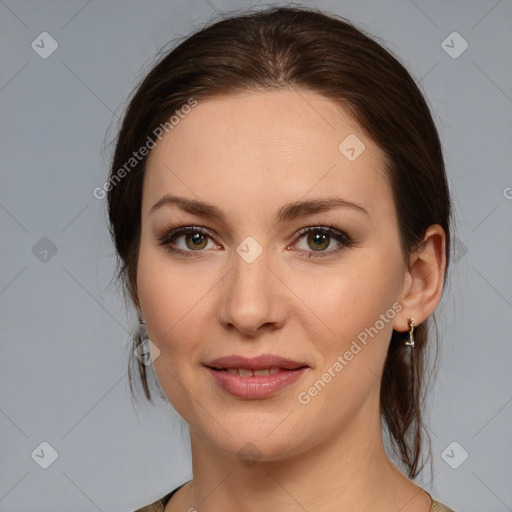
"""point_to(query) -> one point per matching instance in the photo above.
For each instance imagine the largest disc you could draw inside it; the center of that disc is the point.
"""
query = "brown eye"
(319, 238)
(318, 241)
(197, 241)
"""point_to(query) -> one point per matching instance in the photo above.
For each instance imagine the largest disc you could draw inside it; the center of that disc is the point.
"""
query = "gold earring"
(410, 341)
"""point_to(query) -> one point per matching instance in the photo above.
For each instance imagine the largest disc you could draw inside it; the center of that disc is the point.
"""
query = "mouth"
(255, 378)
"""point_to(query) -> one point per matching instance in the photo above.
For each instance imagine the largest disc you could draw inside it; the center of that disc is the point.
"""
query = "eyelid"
(341, 237)
(173, 233)
(331, 230)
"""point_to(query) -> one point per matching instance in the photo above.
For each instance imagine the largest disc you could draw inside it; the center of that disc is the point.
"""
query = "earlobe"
(423, 287)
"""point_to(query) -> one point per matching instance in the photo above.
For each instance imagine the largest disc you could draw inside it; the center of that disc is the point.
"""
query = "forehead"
(270, 146)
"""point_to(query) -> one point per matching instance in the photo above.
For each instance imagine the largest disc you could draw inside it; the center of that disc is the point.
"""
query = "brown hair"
(306, 49)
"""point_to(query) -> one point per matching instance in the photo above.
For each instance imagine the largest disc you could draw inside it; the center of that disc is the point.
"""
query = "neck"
(345, 471)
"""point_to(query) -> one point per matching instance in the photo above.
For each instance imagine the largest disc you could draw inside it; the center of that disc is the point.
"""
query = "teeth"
(261, 372)
(244, 372)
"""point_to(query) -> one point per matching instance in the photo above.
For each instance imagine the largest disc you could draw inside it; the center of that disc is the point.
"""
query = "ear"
(424, 281)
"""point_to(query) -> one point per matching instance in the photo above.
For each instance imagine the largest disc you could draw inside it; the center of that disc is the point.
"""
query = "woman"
(280, 210)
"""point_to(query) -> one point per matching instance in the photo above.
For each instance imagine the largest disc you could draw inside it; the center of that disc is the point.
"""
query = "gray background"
(64, 327)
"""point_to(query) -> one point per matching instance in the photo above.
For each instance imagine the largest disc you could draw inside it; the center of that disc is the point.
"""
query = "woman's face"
(251, 283)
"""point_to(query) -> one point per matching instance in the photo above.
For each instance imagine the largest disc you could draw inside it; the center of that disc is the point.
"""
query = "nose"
(253, 297)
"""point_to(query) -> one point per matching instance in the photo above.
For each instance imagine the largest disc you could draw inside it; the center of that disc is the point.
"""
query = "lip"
(257, 386)
(260, 362)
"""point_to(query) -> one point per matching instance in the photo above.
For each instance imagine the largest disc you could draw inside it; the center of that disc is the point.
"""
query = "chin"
(251, 443)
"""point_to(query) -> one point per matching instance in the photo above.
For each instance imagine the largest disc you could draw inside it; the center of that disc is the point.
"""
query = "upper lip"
(261, 362)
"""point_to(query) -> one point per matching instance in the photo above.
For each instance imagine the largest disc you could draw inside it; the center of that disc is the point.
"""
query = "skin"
(249, 154)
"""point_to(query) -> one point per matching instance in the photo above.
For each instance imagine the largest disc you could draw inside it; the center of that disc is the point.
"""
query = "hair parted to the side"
(303, 49)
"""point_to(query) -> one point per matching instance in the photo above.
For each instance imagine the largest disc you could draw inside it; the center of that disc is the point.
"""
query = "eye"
(319, 238)
(195, 239)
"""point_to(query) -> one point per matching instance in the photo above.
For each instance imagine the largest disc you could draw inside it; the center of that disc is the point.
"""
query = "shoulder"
(438, 507)
(157, 506)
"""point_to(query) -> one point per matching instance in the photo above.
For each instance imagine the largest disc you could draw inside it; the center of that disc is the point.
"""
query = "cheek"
(348, 299)
(168, 293)
(174, 304)
(349, 321)
(163, 300)
(346, 329)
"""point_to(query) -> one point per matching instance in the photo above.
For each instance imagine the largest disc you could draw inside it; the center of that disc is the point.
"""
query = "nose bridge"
(251, 293)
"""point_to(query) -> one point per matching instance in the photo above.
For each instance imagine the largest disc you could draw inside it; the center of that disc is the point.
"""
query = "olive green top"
(159, 505)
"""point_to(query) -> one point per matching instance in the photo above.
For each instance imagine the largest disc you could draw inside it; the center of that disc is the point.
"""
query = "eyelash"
(339, 236)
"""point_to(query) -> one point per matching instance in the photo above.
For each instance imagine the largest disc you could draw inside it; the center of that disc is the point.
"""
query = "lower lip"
(258, 386)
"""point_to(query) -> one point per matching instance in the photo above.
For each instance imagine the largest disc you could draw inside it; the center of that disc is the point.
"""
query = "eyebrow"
(285, 213)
